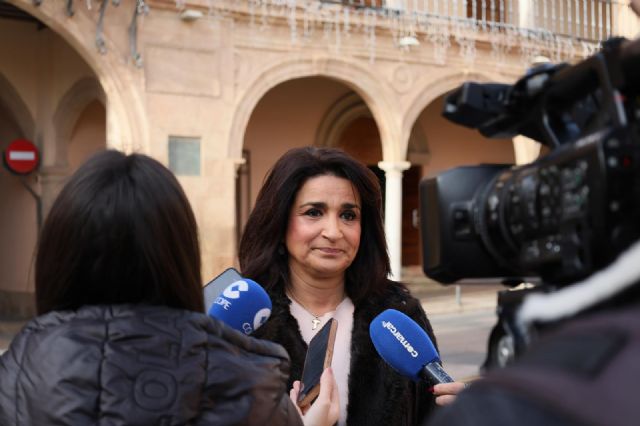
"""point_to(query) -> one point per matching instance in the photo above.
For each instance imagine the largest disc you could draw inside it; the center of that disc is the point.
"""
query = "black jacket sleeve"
(485, 406)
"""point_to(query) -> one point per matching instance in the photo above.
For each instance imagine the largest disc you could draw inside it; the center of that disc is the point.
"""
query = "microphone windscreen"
(402, 343)
(243, 306)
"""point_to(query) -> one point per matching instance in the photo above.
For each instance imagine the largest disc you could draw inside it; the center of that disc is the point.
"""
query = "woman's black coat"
(377, 394)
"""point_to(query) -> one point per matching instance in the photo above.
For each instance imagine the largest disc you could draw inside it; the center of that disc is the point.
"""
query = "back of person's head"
(266, 227)
(120, 231)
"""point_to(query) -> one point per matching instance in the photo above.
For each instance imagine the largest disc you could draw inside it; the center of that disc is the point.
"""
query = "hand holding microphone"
(446, 393)
(407, 348)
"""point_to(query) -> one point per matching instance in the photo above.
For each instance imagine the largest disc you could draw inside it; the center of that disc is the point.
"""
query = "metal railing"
(589, 20)
(553, 27)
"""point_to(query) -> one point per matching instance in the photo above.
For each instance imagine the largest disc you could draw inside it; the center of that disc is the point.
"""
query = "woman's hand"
(326, 408)
(445, 393)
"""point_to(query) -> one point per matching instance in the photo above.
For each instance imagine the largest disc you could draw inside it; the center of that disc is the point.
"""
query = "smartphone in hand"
(319, 355)
(216, 286)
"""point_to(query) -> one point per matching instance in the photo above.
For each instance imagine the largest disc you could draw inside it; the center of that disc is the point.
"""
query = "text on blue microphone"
(403, 341)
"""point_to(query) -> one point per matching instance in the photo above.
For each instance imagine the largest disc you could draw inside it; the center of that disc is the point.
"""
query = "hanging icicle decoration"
(561, 33)
(439, 35)
(264, 19)
(346, 24)
(370, 20)
(499, 48)
(293, 21)
(338, 36)
(464, 35)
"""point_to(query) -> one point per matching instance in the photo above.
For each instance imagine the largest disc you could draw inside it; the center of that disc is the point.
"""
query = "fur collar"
(377, 394)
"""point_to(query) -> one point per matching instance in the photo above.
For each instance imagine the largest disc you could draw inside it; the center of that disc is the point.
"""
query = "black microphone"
(407, 348)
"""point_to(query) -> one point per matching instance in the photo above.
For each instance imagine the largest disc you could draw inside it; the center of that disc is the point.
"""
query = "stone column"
(526, 14)
(625, 22)
(395, 4)
(526, 150)
(393, 213)
(52, 180)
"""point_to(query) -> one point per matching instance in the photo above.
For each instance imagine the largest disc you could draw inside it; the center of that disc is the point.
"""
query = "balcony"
(590, 20)
(558, 29)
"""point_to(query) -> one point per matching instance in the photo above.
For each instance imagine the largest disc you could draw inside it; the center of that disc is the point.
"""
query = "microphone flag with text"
(244, 306)
(406, 347)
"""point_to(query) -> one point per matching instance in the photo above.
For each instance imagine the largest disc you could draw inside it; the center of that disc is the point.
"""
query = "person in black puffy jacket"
(121, 338)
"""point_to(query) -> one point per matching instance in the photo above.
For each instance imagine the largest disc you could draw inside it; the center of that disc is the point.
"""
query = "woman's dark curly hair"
(259, 254)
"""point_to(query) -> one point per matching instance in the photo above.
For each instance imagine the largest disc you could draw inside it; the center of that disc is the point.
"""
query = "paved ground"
(461, 318)
(8, 329)
(462, 339)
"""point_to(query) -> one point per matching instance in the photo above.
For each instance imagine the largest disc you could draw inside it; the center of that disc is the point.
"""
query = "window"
(487, 10)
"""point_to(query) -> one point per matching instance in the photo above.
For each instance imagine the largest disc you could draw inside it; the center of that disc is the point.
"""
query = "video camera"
(565, 215)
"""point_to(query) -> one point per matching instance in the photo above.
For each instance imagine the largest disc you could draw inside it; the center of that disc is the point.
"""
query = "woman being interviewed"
(315, 241)
(121, 337)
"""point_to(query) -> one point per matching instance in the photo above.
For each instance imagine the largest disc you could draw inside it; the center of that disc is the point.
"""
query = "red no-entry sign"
(21, 157)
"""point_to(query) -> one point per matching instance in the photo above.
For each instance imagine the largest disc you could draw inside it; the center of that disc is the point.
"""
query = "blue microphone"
(406, 347)
(243, 306)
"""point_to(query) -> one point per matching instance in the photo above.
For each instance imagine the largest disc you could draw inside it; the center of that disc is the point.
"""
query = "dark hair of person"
(120, 231)
(260, 255)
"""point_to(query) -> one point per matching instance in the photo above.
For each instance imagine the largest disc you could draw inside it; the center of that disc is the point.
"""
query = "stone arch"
(12, 100)
(339, 116)
(435, 89)
(69, 108)
(350, 73)
(127, 128)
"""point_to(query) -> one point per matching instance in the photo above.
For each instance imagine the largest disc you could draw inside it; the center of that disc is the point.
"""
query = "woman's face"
(323, 233)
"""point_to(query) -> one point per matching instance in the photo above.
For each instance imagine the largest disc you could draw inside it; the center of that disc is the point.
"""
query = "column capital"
(237, 164)
(394, 166)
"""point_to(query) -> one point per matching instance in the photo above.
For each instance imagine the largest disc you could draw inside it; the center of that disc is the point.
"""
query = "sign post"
(21, 158)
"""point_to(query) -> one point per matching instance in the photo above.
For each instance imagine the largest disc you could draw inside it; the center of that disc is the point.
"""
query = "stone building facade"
(219, 89)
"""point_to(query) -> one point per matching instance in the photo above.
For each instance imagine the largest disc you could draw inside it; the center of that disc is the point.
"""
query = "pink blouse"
(341, 361)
